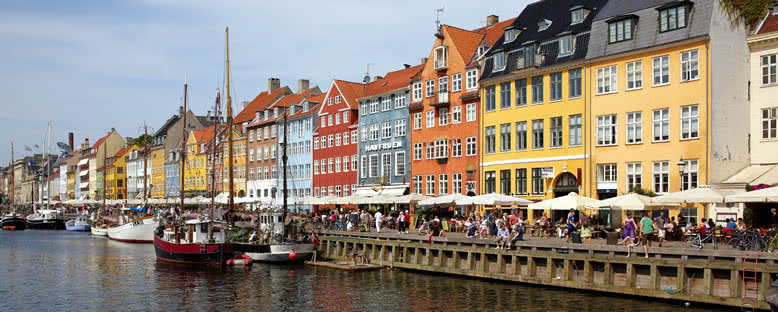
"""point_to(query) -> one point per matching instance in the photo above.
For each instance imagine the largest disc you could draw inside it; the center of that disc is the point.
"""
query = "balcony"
(442, 101)
(441, 57)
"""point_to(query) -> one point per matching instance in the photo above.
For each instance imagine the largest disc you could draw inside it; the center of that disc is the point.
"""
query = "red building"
(335, 150)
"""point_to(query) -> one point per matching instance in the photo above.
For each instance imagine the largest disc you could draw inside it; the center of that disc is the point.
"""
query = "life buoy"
(292, 255)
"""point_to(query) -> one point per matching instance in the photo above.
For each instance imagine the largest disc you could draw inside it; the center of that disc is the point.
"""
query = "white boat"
(46, 219)
(99, 231)
(79, 224)
(269, 244)
(139, 231)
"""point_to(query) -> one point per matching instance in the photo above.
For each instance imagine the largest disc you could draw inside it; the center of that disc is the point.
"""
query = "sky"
(89, 66)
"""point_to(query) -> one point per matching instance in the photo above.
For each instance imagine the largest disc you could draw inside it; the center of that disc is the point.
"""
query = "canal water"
(66, 271)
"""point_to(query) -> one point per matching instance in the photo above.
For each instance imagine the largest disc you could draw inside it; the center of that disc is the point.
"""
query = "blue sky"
(89, 66)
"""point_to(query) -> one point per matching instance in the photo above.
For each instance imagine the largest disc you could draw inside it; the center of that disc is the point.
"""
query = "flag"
(27, 148)
(36, 146)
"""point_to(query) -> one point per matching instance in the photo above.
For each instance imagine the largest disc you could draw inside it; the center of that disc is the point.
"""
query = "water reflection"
(45, 270)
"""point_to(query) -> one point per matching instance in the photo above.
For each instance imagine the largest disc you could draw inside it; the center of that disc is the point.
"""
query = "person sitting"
(502, 236)
(586, 233)
(741, 226)
(472, 228)
(517, 234)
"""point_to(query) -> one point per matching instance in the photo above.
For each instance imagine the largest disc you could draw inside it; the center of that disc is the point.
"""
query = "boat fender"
(246, 259)
(229, 262)
(292, 255)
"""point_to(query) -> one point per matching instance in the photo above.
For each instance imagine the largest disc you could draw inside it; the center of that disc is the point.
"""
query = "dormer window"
(566, 45)
(544, 24)
(673, 16)
(275, 112)
(441, 57)
(337, 99)
(578, 15)
(329, 101)
(621, 29)
(481, 50)
(499, 61)
(511, 34)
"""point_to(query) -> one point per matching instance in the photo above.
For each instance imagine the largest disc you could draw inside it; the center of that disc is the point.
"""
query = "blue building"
(384, 138)
(172, 175)
(301, 122)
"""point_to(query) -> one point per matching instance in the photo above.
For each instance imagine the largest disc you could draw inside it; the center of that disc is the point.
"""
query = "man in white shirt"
(378, 220)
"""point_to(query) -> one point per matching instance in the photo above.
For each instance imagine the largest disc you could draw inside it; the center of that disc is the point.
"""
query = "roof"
(166, 126)
(646, 32)
(318, 98)
(770, 24)
(350, 91)
(493, 33)
(292, 99)
(393, 80)
(260, 102)
(101, 140)
(204, 134)
(121, 152)
(466, 41)
(314, 108)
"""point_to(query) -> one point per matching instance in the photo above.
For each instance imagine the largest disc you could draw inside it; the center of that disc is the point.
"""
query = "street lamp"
(682, 164)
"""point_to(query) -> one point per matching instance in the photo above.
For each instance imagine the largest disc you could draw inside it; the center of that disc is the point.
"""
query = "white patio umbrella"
(348, 200)
(408, 199)
(703, 195)
(493, 199)
(631, 201)
(571, 200)
(445, 200)
(766, 195)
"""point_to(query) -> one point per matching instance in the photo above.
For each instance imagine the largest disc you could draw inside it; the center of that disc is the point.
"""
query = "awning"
(83, 161)
(386, 190)
(83, 185)
(755, 173)
(83, 173)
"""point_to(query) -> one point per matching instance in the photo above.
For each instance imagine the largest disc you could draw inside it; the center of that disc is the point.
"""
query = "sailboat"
(197, 242)
(270, 244)
(12, 220)
(46, 219)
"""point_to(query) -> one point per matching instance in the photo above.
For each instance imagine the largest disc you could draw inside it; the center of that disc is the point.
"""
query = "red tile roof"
(204, 134)
(393, 80)
(465, 41)
(491, 34)
(121, 152)
(351, 91)
(300, 113)
(318, 98)
(292, 99)
(101, 140)
(770, 24)
(260, 102)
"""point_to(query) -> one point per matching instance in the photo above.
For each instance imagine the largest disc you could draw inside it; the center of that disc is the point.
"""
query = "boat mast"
(231, 202)
(284, 159)
(213, 159)
(105, 167)
(183, 147)
(13, 186)
(145, 160)
(48, 165)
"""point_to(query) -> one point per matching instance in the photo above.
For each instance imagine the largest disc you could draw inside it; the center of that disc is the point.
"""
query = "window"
(556, 86)
(354, 162)
(443, 116)
(499, 61)
(489, 144)
(606, 129)
(337, 164)
(607, 80)
(386, 130)
(575, 130)
(251, 155)
(521, 92)
(690, 122)
(441, 56)
(489, 100)
(521, 181)
(323, 141)
(521, 136)
(337, 99)
(443, 183)
(386, 104)
(430, 88)
(556, 131)
(575, 83)
(373, 166)
(661, 176)
(441, 148)
(417, 91)
(330, 141)
(386, 165)
(510, 35)
(353, 136)
(672, 18)
(456, 148)
(537, 90)
(619, 31)
(346, 163)
(577, 16)
(635, 128)
(490, 178)
(661, 125)
(430, 150)
(470, 112)
(634, 75)
(374, 132)
(661, 70)
(456, 82)
(634, 176)
(365, 165)
(769, 122)
(337, 139)
(505, 137)
(399, 164)
(345, 138)
(329, 121)
(363, 130)
(251, 135)
(689, 175)
(417, 184)
(537, 134)
(431, 184)
(430, 118)
(400, 127)
(417, 148)
(416, 121)
(769, 69)
(363, 108)
(607, 173)
(443, 84)
(690, 65)
(345, 118)
(400, 100)
(505, 182)
(337, 118)
(456, 183)
(456, 115)
(505, 95)
(471, 146)
(330, 165)
(373, 106)
(472, 79)
(537, 181)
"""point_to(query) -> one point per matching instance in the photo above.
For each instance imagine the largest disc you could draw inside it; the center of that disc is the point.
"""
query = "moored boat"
(138, 231)
(192, 244)
(99, 230)
(13, 221)
(269, 245)
(45, 219)
(79, 224)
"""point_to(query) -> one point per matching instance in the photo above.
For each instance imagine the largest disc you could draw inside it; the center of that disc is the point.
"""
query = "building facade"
(195, 182)
(302, 121)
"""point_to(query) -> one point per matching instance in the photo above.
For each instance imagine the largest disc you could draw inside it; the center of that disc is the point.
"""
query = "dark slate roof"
(556, 11)
(622, 7)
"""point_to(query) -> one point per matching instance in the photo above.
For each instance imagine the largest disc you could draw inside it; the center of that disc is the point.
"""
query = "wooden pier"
(706, 276)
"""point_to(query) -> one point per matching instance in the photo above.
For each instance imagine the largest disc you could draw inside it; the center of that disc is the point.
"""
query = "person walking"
(774, 218)
(401, 222)
(647, 232)
(407, 220)
(379, 219)
(570, 224)
(660, 226)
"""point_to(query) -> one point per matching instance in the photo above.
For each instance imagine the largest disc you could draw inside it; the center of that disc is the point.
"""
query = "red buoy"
(292, 255)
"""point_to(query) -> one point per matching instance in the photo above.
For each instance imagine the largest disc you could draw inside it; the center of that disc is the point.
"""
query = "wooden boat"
(192, 244)
(13, 221)
(45, 219)
(79, 224)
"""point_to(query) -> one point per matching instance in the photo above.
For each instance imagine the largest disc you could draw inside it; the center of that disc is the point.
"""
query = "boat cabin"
(196, 232)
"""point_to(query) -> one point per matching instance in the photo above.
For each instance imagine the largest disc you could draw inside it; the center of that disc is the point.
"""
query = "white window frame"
(690, 122)
(373, 171)
(690, 179)
(456, 147)
(442, 183)
(472, 79)
(471, 113)
(417, 121)
(398, 164)
(607, 130)
(607, 80)
(634, 170)
(663, 124)
(471, 148)
(607, 173)
(690, 65)
(430, 184)
(769, 69)
(418, 149)
(634, 129)
(575, 126)
(430, 119)
(634, 75)
(400, 127)
(456, 82)
(386, 130)
(429, 88)
(663, 174)
(456, 114)
(769, 123)
(443, 116)
(417, 91)
(661, 70)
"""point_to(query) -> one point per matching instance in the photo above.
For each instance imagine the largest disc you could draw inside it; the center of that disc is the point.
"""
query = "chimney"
(302, 85)
(273, 83)
(243, 104)
(180, 111)
(407, 66)
(70, 140)
(423, 60)
(208, 116)
(85, 145)
(492, 20)
(376, 78)
(113, 129)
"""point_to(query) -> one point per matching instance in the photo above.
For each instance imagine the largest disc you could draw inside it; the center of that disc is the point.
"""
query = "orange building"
(444, 111)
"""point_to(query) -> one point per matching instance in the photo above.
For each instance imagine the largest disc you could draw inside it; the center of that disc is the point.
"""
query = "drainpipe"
(709, 111)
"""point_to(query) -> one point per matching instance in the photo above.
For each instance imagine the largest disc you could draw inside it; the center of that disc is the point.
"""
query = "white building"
(135, 173)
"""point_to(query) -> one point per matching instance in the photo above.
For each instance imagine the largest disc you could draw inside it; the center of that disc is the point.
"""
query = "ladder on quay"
(750, 293)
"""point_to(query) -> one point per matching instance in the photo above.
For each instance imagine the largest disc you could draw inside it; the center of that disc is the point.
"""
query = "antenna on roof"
(437, 17)
(367, 73)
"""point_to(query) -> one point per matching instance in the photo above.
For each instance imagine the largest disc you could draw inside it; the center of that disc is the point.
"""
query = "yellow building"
(659, 120)
(533, 103)
(195, 167)
(238, 166)
(115, 175)
(158, 171)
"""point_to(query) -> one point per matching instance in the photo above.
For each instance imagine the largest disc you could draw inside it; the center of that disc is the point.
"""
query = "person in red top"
(407, 217)
(514, 218)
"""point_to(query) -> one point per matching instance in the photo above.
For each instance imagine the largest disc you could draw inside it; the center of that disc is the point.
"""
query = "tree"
(749, 11)
(142, 140)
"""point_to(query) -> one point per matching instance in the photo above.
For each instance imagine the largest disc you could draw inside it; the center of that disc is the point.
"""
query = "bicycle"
(773, 244)
(748, 240)
(697, 241)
